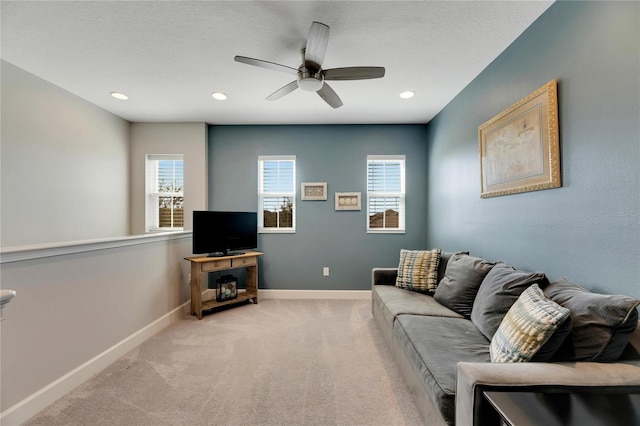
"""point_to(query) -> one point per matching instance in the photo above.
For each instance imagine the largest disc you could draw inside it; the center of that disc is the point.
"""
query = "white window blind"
(164, 192)
(276, 193)
(385, 193)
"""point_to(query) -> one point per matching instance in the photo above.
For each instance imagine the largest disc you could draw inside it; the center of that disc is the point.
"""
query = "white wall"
(64, 171)
(189, 139)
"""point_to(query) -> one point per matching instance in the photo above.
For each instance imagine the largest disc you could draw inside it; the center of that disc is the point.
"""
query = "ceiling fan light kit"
(310, 81)
(310, 77)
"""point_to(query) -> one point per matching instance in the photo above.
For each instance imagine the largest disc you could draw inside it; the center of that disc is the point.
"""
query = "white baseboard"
(33, 404)
(315, 294)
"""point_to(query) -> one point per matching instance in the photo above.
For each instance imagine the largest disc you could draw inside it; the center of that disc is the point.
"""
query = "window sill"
(163, 231)
(386, 231)
(276, 231)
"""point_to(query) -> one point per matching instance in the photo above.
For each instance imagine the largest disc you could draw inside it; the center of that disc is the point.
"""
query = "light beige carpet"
(281, 362)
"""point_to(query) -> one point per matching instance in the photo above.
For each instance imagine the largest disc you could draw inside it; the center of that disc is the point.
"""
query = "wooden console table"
(202, 264)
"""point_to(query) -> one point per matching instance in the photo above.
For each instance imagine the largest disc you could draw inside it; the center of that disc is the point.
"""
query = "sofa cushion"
(445, 256)
(499, 290)
(393, 301)
(418, 270)
(602, 323)
(528, 325)
(435, 345)
(462, 278)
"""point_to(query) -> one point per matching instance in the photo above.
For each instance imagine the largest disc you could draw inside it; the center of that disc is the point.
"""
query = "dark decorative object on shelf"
(226, 288)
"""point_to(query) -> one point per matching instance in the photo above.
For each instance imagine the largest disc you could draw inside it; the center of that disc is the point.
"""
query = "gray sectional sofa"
(444, 353)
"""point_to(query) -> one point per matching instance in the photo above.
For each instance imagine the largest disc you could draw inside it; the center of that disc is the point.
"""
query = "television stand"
(202, 264)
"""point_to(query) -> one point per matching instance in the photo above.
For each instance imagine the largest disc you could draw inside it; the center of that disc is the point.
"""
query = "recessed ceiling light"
(219, 96)
(408, 94)
(120, 96)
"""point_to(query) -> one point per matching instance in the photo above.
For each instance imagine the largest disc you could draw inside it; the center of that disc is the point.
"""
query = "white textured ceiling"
(169, 56)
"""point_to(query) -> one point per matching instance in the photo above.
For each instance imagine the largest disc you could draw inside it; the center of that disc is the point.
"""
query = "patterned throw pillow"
(418, 270)
(527, 326)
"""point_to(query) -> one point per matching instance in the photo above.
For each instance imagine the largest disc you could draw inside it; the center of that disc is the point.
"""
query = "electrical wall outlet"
(325, 271)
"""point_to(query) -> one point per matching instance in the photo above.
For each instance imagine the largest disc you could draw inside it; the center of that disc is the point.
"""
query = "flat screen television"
(218, 233)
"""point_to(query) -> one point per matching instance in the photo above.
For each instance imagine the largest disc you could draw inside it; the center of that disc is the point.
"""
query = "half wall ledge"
(39, 251)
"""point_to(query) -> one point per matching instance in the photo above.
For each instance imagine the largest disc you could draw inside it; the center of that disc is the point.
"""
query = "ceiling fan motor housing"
(309, 81)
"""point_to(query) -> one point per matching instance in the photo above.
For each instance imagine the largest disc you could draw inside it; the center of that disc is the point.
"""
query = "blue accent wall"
(588, 230)
(335, 154)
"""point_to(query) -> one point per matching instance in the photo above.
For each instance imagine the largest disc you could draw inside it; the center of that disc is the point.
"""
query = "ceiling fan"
(310, 75)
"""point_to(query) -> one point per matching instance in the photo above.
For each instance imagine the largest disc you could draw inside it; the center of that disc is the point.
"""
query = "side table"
(598, 408)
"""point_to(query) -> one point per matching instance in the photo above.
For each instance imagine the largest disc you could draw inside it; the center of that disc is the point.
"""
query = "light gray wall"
(588, 230)
(65, 176)
(64, 166)
(325, 237)
(71, 308)
(189, 139)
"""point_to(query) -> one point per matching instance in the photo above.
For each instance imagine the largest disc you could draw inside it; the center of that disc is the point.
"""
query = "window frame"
(262, 195)
(401, 195)
(152, 195)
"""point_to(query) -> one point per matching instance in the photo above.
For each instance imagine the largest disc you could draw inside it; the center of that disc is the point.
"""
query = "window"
(164, 193)
(385, 193)
(276, 193)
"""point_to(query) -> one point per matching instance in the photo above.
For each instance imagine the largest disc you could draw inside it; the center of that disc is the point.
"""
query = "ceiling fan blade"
(316, 45)
(353, 73)
(329, 96)
(266, 64)
(285, 90)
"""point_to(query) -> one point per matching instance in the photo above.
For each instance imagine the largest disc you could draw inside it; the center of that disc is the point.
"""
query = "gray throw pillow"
(499, 290)
(444, 260)
(602, 323)
(462, 277)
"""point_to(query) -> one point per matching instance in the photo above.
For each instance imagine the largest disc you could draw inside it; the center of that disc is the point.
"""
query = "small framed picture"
(348, 200)
(313, 191)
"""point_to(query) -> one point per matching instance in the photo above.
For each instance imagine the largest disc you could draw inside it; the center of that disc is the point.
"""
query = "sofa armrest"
(384, 276)
(474, 378)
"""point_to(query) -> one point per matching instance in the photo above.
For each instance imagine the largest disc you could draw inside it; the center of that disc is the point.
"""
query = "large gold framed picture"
(519, 148)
